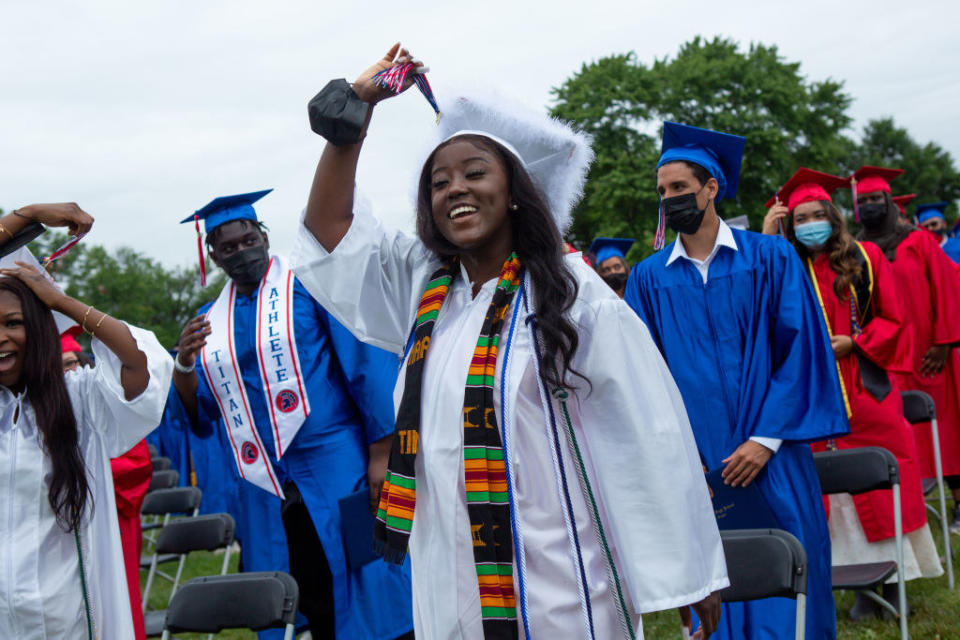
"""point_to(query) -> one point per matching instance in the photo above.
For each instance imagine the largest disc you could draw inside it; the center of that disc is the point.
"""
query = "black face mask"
(248, 266)
(616, 280)
(682, 213)
(873, 216)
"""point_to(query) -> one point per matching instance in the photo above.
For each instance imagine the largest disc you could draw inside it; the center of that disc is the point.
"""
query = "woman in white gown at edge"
(607, 509)
(58, 432)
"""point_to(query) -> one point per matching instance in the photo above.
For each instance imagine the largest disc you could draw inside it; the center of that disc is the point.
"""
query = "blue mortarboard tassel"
(394, 77)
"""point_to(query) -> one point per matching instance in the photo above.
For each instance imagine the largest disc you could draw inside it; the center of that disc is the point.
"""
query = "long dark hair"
(539, 246)
(841, 249)
(46, 389)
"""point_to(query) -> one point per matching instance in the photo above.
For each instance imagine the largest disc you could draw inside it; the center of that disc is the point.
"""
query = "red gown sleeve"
(944, 281)
(131, 478)
(885, 340)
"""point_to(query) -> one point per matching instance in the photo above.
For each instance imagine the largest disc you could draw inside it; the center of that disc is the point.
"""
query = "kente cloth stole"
(485, 479)
(278, 366)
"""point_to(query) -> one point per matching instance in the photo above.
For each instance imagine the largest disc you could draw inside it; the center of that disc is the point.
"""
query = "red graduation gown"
(928, 283)
(131, 478)
(874, 423)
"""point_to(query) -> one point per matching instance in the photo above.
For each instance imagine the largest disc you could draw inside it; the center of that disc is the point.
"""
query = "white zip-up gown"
(40, 590)
(610, 509)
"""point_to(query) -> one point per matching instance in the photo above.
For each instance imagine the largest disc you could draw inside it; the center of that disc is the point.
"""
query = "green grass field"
(935, 611)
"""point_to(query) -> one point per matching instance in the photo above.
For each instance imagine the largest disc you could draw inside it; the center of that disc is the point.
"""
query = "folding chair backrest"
(202, 533)
(918, 407)
(177, 500)
(255, 601)
(856, 470)
(164, 480)
(161, 464)
(763, 563)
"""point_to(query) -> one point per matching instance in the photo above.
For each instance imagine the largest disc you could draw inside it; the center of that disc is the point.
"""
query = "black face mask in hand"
(682, 213)
(872, 216)
(247, 267)
(616, 281)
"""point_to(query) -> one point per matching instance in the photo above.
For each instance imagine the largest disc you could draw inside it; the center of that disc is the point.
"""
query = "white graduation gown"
(40, 591)
(640, 461)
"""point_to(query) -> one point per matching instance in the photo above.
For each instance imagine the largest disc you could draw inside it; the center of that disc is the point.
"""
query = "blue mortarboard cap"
(931, 210)
(606, 248)
(226, 209)
(719, 153)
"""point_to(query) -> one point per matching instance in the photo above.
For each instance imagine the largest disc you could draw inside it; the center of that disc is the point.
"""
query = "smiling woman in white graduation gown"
(640, 473)
(41, 595)
(43, 576)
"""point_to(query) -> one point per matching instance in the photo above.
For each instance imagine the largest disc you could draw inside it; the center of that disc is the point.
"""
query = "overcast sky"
(143, 112)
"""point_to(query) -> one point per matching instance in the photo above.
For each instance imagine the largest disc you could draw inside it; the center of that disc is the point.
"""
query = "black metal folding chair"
(179, 538)
(164, 480)
(766, 563)
(161, 463)
(919, 408)
(856, 471)
(165, 503)
(255, 601)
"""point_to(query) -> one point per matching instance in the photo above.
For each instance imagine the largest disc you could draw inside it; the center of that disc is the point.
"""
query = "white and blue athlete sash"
(280, 374)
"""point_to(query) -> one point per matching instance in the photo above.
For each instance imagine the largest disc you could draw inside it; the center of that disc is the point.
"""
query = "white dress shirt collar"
(724, 239)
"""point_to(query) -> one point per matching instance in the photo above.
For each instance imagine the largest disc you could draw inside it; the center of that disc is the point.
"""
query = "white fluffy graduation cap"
(556, 156)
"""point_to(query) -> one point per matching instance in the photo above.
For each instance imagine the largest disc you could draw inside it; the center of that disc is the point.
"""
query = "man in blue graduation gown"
(303, 384)
(931, 217)
(737, 322)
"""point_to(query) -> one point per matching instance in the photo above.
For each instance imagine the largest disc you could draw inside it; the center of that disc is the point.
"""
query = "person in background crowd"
(738, 323)
(927, 283)
(611, 262)
(902, 202)
(58, 432)
(857, 292)
(931, 217)
(309, 421)
(590, 508)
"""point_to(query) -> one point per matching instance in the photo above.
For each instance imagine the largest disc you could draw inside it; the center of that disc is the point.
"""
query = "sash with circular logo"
(279, 368)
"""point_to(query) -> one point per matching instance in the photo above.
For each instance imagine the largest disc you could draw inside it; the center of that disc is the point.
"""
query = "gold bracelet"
(83, 323)
(100, 321)
(6, 231)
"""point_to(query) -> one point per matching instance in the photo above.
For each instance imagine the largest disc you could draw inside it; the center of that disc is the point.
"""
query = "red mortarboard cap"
(903, 201)
(67, 343)
(874, 178)
(807, 185)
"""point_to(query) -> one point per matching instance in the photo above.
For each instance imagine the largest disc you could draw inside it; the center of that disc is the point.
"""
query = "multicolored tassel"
(59, 253)
(856, 207)
(394, 77)
(203, 264)
(661, 236)
(780, 220)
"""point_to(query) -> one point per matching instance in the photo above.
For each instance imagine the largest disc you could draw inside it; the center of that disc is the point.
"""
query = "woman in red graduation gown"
(857, 290)
(928, 282)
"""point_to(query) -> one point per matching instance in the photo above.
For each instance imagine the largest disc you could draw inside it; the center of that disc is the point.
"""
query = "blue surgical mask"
(814, 234)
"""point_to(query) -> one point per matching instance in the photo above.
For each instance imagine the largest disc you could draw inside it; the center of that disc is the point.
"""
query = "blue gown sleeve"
(370, 374)
(803, 402)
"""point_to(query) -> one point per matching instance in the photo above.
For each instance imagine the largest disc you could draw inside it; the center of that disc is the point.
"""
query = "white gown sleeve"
(649, 476)
(371, 282)
(99, 402)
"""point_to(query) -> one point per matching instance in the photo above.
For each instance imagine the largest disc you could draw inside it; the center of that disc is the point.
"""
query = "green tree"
(129, 285)
(929, 170)
(712, 84)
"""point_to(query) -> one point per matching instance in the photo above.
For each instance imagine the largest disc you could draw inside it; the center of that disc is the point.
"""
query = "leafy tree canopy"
(789, 121)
